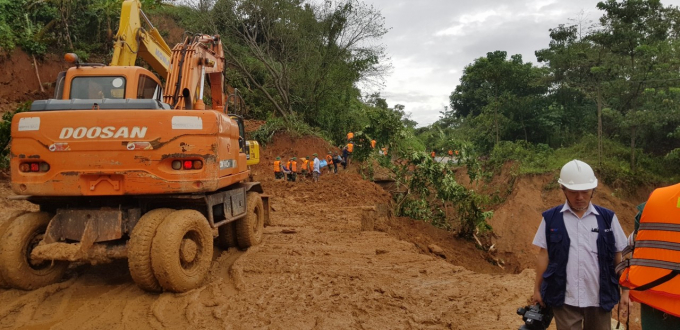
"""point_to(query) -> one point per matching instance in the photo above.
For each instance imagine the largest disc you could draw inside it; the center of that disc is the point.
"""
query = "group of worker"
(311, 167)
(307, 167)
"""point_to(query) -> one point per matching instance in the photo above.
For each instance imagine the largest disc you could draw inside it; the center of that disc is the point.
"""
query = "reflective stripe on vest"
(277, 166)
(652, 273)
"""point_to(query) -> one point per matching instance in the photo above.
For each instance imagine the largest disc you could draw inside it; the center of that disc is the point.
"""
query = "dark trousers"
(582, 318)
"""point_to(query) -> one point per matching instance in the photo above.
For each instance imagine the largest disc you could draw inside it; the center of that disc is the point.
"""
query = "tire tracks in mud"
(105, 296)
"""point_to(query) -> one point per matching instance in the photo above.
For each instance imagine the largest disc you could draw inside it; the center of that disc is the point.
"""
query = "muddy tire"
(249, 229)
(4, 223)
(139, 249)
(227, 236)
(182, 251)
(20, 237)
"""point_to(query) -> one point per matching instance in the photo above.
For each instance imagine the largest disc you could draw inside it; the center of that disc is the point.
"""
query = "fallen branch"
(35, 65)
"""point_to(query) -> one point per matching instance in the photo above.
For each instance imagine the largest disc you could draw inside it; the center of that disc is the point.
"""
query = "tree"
(499, 96)
(637, 34)
(304, 59)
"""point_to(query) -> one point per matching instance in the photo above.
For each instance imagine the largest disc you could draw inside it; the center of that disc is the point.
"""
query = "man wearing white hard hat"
(580, 244)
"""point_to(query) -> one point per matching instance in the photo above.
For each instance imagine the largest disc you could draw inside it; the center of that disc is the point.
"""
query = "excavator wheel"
(182, 251)
(21, 236)
(249, 229)
(139, 249)
(4, 223)
(227, 236)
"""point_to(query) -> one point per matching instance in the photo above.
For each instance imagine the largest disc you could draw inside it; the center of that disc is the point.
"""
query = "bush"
(433, 186)
(293, 126)
(533, 158)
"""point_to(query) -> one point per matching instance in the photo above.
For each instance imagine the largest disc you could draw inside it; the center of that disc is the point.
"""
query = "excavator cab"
(250, 148)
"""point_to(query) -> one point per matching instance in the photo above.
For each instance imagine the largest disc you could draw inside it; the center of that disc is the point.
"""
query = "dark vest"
(554, 284)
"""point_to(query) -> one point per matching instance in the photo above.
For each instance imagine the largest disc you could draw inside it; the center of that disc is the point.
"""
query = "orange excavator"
(122, 167)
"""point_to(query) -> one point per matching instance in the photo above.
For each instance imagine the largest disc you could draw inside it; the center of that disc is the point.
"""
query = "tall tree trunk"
(599, 127)
(68, 34)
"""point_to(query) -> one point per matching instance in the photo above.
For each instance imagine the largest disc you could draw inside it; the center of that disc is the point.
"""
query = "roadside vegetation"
(606, 91)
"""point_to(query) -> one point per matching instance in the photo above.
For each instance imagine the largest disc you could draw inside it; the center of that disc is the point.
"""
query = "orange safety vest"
(350, 135)
(277, 166)
(311, 165)
(293, 166)
(384, 151)
(304, 165)
(373, 144)
(456, 152)
(350, 147)
(450, 153)
(329, 159)
(288, 165)
(432, 154)
(653, 273)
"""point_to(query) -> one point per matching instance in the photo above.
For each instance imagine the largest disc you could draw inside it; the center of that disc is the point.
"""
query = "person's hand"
(624, 304)
(537, 299)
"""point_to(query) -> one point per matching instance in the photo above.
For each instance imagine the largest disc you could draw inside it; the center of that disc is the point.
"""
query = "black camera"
(535, 317)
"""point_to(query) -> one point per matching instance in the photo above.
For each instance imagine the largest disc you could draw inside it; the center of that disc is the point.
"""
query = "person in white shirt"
(580, 245)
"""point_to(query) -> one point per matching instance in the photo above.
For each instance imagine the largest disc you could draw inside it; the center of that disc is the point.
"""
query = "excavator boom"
(132, 40)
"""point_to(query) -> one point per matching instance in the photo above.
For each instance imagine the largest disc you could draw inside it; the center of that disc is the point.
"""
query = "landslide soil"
(316, 268)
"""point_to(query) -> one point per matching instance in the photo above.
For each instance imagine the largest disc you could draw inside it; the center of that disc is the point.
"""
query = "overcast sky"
(431, 42)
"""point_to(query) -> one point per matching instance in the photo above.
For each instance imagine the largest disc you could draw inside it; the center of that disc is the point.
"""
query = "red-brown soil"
(316, 267)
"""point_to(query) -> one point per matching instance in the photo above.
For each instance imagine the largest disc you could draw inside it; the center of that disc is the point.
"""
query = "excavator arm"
(192, 60)
(132, 40)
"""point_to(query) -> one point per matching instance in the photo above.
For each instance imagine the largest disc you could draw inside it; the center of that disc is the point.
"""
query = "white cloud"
(431, 42)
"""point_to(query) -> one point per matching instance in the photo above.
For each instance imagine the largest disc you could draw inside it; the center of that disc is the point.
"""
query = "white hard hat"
(577, 175)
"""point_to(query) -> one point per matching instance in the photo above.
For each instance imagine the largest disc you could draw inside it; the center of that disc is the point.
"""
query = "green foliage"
(294, 127)
(432, 188)
(5, 133)
(534, 158)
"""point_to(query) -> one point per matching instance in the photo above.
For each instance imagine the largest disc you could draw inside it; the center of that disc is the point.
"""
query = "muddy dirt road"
(316, 269)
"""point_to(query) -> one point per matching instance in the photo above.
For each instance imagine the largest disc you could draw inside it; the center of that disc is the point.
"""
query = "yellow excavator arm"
(132, 40)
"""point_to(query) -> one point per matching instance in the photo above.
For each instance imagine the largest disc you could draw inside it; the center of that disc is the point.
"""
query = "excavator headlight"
(176, 165)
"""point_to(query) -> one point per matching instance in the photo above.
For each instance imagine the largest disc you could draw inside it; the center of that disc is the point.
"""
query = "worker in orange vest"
(278, 169)
(310, 165)
(292, 166)
(304, 165)
(450, 153)
(372, 144)
(350, 149)
(329, 162)
(432, 154)
(384, 151)
(649, 273)
(350, 136)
